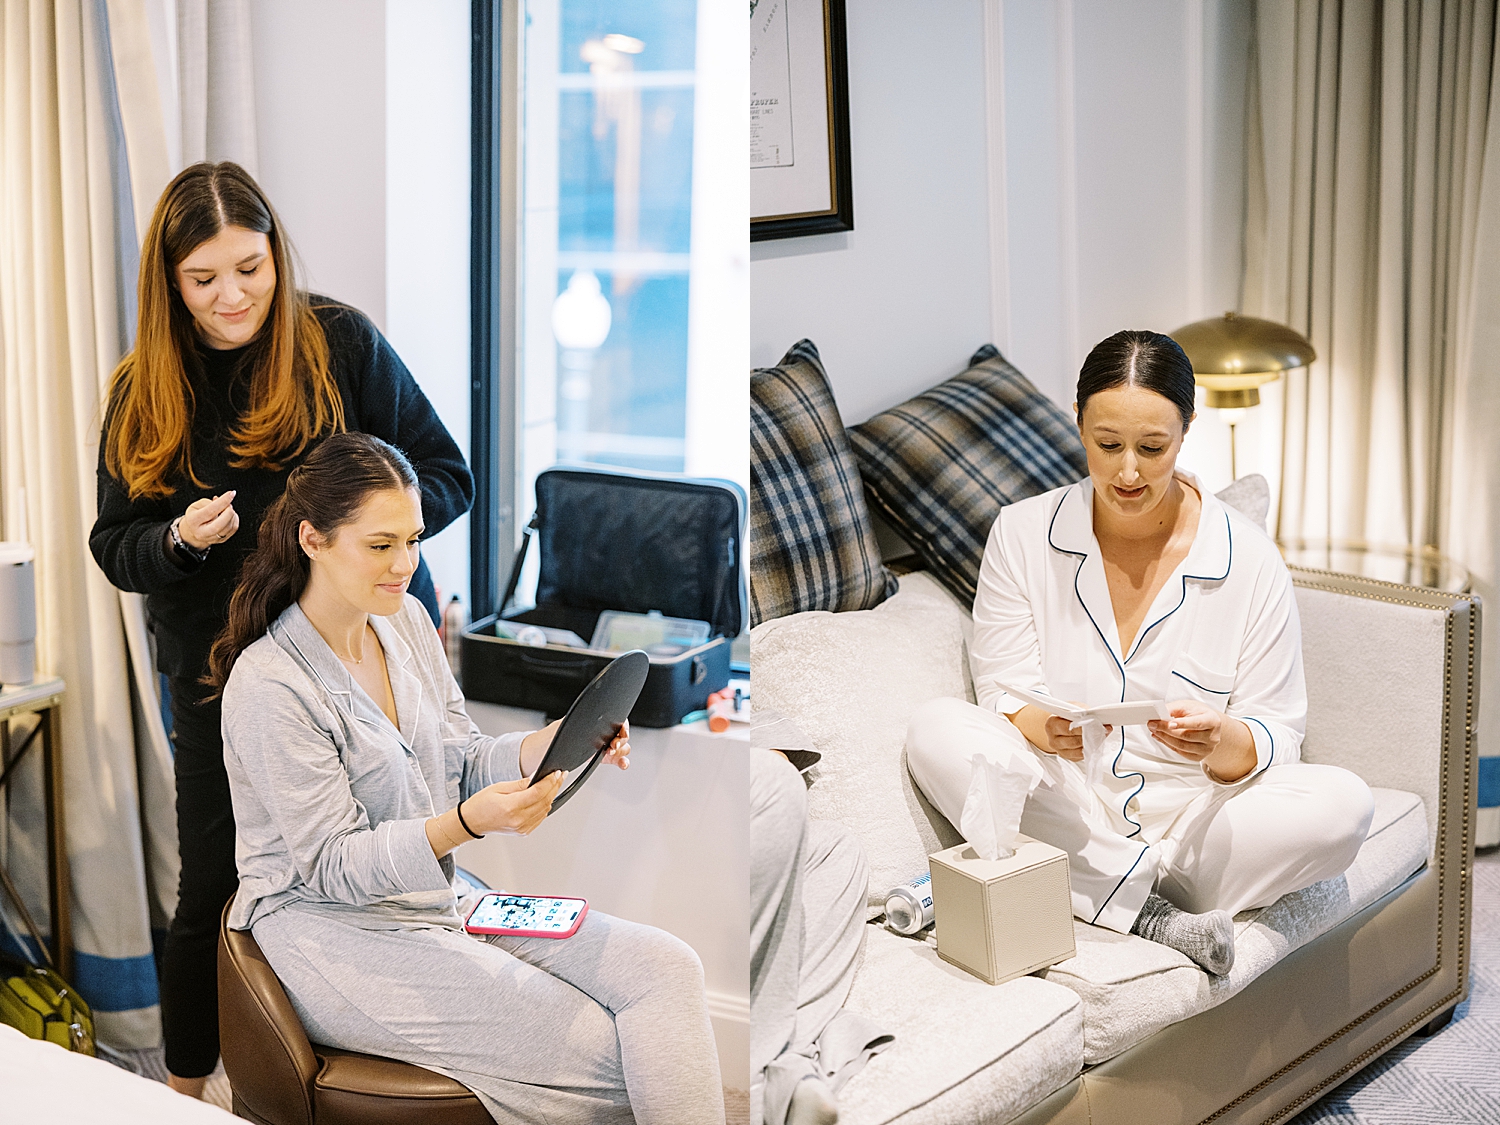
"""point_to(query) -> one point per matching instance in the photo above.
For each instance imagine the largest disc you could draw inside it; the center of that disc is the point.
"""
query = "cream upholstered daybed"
(1128, 1031)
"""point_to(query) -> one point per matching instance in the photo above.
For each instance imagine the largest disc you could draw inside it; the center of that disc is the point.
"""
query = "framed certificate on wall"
(799, 119)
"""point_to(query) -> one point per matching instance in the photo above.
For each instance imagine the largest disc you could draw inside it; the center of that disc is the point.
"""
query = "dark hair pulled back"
(1141, 359)
(327, 490)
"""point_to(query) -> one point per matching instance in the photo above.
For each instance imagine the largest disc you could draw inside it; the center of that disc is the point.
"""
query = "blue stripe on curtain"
(1489, 782)
(21, 945)
(116, 984)
(109, 984)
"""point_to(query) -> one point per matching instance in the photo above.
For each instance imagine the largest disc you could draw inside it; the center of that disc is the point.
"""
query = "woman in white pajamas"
(1137, 583)
(355, 772)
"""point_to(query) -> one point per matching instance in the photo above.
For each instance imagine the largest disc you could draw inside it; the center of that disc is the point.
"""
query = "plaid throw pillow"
(940, 467)
(811, 545)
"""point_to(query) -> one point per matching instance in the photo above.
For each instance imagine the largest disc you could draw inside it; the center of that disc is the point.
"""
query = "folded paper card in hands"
(1109, 714)
(1094, 721)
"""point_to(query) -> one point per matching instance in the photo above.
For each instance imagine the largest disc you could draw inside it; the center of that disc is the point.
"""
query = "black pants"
(205, 836)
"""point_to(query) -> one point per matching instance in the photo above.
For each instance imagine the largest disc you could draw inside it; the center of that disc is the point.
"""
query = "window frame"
(497, 104)
(495, 193)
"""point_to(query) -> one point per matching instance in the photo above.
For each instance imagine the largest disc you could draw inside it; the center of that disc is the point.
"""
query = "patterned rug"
(1452, 1077)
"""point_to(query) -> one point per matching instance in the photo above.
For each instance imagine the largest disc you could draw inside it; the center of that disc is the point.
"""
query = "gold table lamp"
(1233, 355)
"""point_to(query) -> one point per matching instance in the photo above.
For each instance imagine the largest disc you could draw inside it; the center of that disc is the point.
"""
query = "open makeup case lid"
(638, 543)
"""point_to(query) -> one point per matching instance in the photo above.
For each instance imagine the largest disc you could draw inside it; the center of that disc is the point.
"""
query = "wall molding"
(1196, 179)
(1067, 185)
(729, 1013)
(728, 1006)
(994, 131)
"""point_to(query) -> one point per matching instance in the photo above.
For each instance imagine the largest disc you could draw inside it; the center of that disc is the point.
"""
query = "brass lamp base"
(1231, 400)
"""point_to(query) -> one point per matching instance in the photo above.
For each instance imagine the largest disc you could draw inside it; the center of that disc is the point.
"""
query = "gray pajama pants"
(808, 882)
(609, 1025)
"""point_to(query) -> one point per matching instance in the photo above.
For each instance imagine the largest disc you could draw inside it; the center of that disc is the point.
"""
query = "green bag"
(39, 1004)
(36, 1001)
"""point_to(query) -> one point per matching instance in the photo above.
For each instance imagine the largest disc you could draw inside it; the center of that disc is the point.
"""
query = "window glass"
(605, 240)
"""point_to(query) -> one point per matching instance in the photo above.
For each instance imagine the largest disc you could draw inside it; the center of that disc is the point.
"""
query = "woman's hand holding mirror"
(513, 808)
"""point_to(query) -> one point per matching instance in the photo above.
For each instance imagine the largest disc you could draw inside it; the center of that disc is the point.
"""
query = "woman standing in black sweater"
(236, 375)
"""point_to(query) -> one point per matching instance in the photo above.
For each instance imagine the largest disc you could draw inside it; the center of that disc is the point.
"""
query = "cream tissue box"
(1002, 918)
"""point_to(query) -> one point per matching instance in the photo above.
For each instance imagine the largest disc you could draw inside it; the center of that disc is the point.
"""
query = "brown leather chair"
(280, 1078)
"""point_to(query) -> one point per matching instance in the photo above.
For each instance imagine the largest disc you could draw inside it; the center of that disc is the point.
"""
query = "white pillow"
(851, 681)
(1251, 495)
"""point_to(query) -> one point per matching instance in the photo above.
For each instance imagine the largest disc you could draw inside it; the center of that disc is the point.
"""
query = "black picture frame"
(840, 216)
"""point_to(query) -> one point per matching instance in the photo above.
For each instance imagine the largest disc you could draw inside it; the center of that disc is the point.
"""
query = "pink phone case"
(473, 929)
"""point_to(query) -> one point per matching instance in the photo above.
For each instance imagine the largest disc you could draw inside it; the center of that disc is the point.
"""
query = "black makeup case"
(613, 540)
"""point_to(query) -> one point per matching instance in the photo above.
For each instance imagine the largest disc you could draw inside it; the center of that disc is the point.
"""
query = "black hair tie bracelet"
(459, 809)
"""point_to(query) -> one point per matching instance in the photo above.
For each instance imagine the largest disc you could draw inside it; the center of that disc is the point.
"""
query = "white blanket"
(42, 1082)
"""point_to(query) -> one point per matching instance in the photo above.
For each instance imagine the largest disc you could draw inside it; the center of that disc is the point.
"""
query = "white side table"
(43, 699)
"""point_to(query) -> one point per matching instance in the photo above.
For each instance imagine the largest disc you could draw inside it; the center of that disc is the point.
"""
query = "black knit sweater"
(188, 603)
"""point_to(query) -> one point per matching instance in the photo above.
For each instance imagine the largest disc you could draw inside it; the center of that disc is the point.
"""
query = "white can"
(17, 614)
(908, 908)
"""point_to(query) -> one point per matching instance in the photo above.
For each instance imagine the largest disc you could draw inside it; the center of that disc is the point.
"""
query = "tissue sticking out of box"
(1094, 734)
(991, 817)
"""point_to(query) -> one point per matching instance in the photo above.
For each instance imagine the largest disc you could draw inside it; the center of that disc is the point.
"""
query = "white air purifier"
(17, 614)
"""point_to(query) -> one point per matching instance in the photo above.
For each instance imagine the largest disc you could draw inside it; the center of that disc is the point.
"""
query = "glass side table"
(1410, 566)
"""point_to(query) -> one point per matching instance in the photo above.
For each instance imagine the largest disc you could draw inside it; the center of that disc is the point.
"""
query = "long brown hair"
(327, 490)
(293, 396)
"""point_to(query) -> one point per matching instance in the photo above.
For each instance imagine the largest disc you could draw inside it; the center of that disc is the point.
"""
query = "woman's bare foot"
(192, 1087)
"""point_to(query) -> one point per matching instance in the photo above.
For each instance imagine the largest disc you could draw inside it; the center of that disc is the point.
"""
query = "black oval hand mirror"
(590, 724)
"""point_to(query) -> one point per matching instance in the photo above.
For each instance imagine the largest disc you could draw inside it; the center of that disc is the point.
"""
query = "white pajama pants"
(1230, 847)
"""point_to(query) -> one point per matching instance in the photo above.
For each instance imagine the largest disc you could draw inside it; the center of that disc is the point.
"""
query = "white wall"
(1121, 140)
(363, 121)
(320, 106)
(427, 227)
(901, 301)
(1124, 165)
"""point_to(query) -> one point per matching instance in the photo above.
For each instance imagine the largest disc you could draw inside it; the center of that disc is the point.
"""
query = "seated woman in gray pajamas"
(355, 771)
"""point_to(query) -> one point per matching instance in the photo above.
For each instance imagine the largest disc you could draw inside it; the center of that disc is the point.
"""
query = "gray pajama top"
(331, 801)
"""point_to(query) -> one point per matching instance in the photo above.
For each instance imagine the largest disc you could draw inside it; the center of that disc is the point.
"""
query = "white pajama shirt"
(1223, 630)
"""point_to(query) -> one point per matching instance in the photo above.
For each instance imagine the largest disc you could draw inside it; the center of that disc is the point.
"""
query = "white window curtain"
(1374, 228)
(67, 275)
(184, 69)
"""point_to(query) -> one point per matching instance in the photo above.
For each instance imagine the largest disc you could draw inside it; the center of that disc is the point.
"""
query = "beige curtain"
(66, 275)
(186, 83)
(183, 84)
(1373, 226)
(1473, 511)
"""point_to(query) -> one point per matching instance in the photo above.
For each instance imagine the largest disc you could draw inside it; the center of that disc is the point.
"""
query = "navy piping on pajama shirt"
(1271, 757)
(1200, 687)
(1082, 557)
